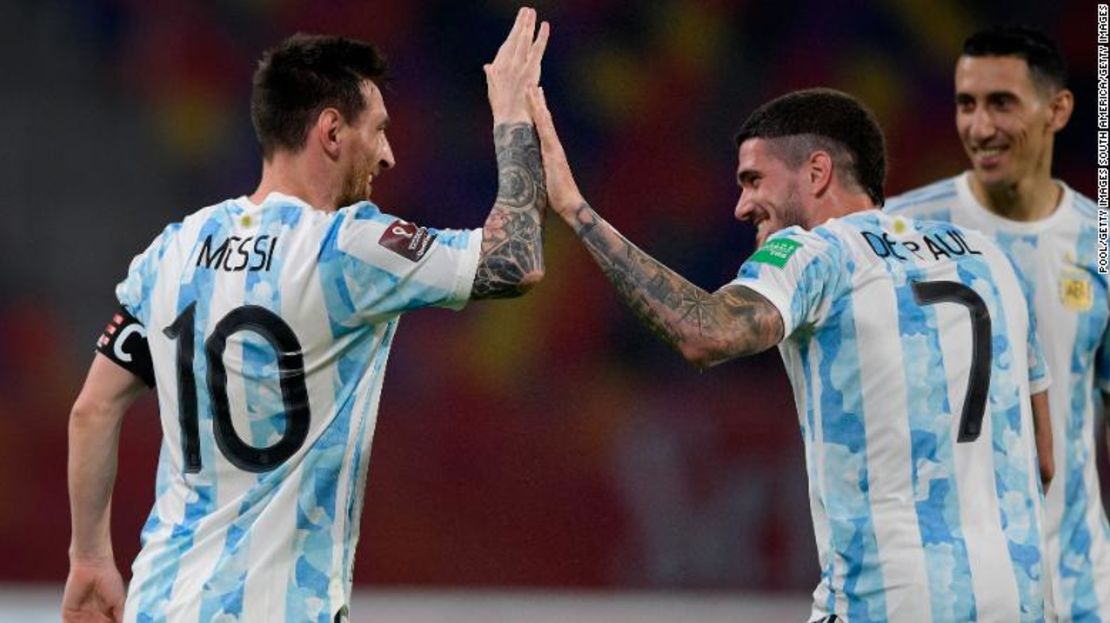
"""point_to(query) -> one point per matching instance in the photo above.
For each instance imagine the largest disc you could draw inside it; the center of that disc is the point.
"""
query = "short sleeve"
(391, 266)
(1039, 378)
(800, 272)
(134, 291)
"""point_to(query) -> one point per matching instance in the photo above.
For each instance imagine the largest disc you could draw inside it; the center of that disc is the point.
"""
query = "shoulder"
(1082, 204)
(821, 241)
(931, 198)
(802, 252)
(364, 211)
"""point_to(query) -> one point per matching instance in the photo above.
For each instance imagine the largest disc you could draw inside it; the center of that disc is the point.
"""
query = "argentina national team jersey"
(1058, 256)
(912, 354)
(269, 327)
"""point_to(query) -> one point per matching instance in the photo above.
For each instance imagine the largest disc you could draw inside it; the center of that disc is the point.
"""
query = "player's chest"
(1070, 296)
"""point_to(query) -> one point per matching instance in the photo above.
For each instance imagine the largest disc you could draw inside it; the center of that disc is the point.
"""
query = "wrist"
(99, 555)
(506, 118)
(568, 210)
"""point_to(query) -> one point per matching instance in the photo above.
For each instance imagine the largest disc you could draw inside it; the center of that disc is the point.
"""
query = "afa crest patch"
(1076, 291)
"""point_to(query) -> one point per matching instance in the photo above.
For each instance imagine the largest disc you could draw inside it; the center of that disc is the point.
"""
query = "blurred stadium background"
(547, 445)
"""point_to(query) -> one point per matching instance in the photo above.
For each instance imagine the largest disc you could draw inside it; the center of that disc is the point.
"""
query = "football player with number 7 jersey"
(1011, 101)
(265, 323)
(913, 357)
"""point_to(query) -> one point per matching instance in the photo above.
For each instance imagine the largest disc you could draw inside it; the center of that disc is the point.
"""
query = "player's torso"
(267, 392)
(916, 478)
(1059, 257)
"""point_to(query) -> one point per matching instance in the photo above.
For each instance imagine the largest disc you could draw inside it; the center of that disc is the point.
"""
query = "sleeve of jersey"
(134, 291)
(395, 266)
(1039, 378)
(799, 272)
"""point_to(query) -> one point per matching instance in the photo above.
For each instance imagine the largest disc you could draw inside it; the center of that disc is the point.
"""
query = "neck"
(298, 175)
(1029, 199)
(837, 204)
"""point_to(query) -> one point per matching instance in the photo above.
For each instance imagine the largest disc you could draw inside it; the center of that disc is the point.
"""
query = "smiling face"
(769, 190)
(368, 152)
(1003, 119)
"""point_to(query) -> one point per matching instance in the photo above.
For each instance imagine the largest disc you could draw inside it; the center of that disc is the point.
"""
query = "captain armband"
(124, 342)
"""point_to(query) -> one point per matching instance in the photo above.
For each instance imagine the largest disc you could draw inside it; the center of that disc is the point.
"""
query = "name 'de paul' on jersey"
(947, 244)
(235, 254)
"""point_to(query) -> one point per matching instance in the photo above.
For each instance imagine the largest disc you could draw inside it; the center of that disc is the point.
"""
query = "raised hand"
(562, 191)
(515, 68)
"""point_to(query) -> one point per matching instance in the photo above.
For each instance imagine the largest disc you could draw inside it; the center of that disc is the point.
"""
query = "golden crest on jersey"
(1076, 290)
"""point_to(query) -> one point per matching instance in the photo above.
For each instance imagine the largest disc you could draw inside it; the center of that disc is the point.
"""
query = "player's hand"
(562, 191)
(94, 593)
(515, 68)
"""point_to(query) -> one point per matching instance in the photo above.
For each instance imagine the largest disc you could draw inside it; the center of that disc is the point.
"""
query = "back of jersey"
(269, 327)
(911, 354)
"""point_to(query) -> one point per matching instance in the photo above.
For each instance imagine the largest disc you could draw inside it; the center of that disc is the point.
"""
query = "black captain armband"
(124, 342)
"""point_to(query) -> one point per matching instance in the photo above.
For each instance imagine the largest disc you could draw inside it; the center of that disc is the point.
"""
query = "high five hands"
(516, 68)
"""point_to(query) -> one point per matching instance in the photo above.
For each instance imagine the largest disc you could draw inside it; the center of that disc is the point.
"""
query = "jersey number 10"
(294, 394)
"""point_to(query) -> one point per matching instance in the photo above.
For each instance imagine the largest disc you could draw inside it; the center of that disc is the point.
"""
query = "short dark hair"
(825, 119)
(302, 76)
(1046, 64)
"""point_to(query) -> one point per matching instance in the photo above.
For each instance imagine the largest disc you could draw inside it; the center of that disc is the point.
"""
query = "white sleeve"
(392, 266)
(799, 272)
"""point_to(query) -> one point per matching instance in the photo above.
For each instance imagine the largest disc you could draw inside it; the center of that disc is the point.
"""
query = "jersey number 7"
(975, 398)
(294, 394)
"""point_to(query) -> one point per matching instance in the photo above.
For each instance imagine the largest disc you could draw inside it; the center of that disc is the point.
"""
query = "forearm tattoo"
(731, 322)
(512, 240)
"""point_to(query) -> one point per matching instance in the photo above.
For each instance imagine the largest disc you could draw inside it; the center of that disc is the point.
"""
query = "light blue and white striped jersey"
(1058, 257)
(911, 354)
(269, 327)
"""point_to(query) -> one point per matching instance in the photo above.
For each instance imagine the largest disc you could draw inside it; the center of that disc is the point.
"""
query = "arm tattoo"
(731, 322)
(512, 239)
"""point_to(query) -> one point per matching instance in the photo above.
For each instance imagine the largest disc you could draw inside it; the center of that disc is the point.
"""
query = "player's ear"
(1060, 108)
(819, 172)
(329, 124)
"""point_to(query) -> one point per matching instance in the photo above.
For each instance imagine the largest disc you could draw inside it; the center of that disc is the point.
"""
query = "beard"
(792, 212)
(789, 212)
(356, 187)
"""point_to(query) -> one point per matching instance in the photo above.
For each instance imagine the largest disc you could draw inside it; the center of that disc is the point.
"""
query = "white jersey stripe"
(891, 481)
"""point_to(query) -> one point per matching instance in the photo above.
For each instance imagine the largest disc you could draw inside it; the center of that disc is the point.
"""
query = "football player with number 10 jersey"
(265, 323)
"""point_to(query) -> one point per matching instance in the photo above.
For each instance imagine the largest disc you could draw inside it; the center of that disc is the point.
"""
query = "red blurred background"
(548, 441)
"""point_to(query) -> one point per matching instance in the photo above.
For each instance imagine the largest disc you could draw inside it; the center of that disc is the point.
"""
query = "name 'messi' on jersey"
(235, 253)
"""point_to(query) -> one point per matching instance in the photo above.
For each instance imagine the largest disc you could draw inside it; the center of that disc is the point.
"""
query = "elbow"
(89, 412)
(1048, 470)
(700, 355)
(704, 353)
(530, 280)
(518, 285)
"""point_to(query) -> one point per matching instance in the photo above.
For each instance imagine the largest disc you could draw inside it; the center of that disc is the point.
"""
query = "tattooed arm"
(512, 239)
(706, 328)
